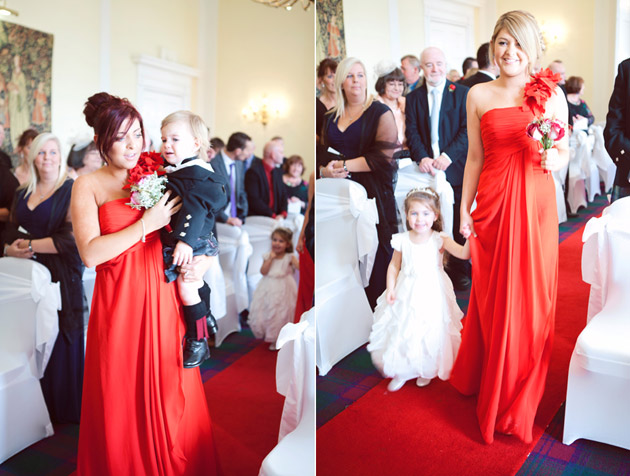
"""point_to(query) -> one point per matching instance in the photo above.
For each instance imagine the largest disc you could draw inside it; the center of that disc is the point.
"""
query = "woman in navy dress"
(41, 208)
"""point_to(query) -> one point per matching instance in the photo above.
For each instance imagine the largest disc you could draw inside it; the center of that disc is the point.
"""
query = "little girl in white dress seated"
(273, 303)
(417, 330)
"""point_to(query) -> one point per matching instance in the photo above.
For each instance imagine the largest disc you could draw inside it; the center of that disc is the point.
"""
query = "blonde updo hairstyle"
(198, 129)
(428, 197)
(524, 28)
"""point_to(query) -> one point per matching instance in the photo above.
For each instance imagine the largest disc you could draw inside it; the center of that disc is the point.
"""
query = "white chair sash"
(234, 240)
(606, 166)
(47, 296)
(364, 210)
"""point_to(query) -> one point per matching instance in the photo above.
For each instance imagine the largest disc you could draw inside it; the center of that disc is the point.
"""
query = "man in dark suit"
(437, 138)
(266, 194)
(617, 131)
(487, 69)
(229, 163)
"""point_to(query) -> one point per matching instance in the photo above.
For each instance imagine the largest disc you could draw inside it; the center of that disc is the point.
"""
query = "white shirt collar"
(488, 73)
(199, 162)
(439, 87)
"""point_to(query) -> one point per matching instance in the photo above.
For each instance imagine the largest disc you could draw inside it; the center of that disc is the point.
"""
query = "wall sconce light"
(7, 11)
(554, 33)
(261, 110)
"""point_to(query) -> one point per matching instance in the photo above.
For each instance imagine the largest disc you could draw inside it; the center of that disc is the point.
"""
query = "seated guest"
(83, 159)
(453, 76)
(296, 187)
(41, 207)
(326, 85)
(390, 86)
(466, 65)
(266, 194)
(580, 116)
(4, 157)
(487, 70)
(8, 186)
(229, 163)
(23, 171)
(410, 66)
(216, 146)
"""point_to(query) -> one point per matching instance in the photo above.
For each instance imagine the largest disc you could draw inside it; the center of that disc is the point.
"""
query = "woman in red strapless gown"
(142, 413)
(508, 330)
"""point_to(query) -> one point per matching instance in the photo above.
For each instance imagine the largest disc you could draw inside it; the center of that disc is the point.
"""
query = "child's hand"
(466, 231)
(182, 254)
(390, 295)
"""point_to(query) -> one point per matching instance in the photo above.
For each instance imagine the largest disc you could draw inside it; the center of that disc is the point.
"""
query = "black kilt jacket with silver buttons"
(617, 131)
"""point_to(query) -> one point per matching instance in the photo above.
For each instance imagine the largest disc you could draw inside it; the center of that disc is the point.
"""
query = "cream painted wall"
(158, 28)
(263, 50)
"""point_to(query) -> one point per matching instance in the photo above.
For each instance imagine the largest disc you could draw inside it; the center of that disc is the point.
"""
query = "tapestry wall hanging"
(25, 81)
(330, 30)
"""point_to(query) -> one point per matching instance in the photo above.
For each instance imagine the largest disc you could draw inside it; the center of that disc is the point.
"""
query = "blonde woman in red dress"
(508, 331)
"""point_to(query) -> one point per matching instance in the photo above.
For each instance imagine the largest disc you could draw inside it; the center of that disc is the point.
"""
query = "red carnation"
(451, 87)
(148, 163)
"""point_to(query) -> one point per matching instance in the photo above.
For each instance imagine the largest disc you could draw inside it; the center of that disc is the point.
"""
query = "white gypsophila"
(147, 191)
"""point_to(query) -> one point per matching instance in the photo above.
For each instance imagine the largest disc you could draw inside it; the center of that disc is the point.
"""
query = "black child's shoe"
(195, 352)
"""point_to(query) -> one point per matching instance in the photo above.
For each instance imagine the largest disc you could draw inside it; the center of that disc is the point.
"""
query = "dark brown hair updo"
(105, 114)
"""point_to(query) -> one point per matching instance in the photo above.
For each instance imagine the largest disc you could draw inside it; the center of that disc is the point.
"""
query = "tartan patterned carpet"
(355, 375)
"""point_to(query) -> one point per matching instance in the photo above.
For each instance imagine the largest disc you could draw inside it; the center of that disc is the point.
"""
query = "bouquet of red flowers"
(146, 181)
(535, 96)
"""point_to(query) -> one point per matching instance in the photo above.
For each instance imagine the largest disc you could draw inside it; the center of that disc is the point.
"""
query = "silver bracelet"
(30, 246)
(143, 231)
(344, 166)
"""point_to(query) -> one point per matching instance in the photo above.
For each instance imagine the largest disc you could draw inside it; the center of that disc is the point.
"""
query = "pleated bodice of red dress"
(142, 413)
(508, 330)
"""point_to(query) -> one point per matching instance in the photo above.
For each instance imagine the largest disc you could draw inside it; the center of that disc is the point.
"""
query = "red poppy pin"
(451, 87)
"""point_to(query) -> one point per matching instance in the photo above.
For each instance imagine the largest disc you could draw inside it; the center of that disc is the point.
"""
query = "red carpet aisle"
(434, 430)
(245, 410)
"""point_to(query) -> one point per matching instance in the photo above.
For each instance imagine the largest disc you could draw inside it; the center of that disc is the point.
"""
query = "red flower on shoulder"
(451, 87)
(148, 163)
(538, 90)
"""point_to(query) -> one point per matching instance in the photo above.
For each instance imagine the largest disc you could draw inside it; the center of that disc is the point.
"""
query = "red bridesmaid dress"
(142, 413)
(508, 330)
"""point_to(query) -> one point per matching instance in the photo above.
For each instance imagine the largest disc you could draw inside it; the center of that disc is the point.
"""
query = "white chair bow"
(360, 207)
(576, 195)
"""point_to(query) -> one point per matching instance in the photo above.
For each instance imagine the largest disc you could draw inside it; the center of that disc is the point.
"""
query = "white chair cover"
(345, 223)
(560, 205)
(410, 177)
(234, 251)
(295, 379)
(576, 195)
(29, 325)
(599, 372)
(605, 165)
(259, 229)
(218, 299)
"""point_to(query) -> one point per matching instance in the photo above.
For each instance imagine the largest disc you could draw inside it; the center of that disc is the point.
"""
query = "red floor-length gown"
(508, 330)
(142, 413)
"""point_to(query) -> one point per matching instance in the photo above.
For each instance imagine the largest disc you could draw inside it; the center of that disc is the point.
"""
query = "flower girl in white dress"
(417, 330)
(273, 303)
